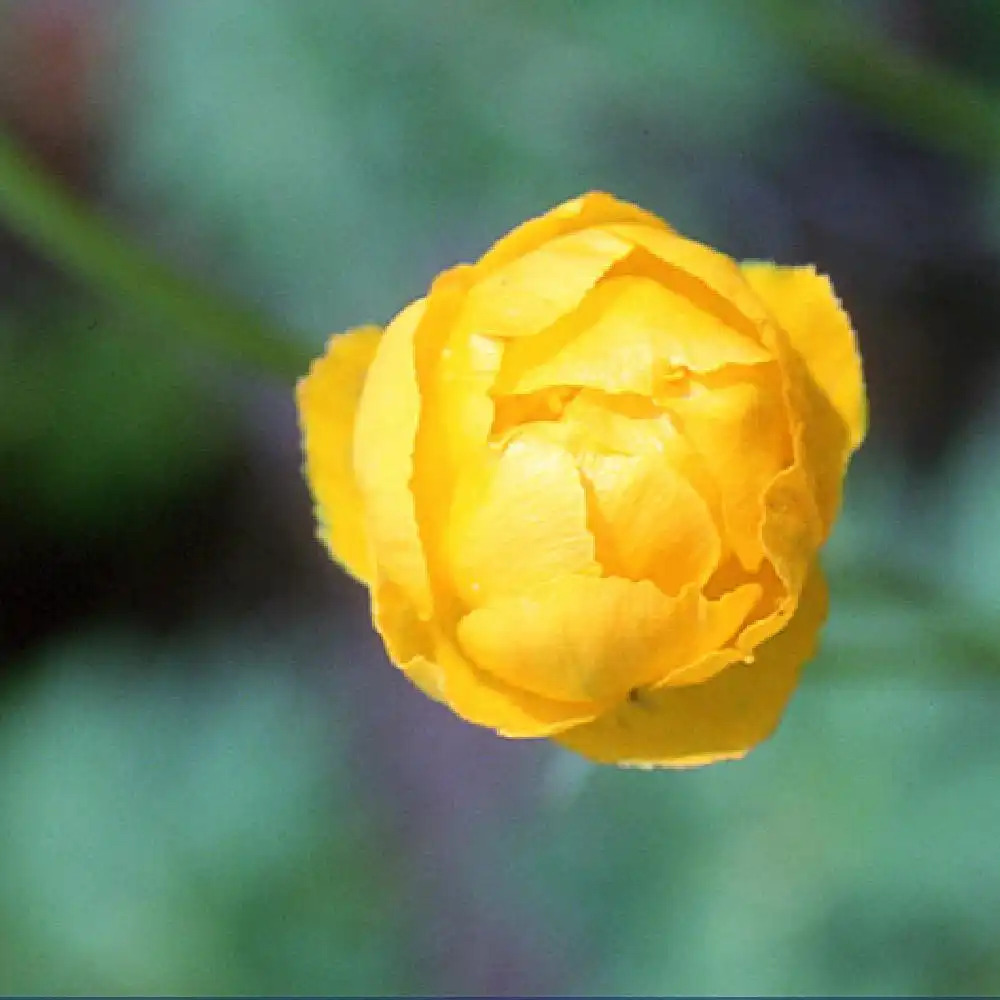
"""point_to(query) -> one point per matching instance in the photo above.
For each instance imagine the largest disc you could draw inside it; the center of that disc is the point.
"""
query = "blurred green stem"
(928, 101)
(77, 238)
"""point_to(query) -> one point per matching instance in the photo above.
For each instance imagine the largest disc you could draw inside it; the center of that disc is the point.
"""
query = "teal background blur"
(210, 778)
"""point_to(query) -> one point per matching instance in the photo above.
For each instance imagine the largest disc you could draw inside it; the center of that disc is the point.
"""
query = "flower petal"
(740, 428)
(581, 638)
(384, 436)
(531, 292)
(328, 402)
(454, 375)
(518, 518)
(709, 279)
(806, 306)
(722, 718)
(791, 535)
(649, 521)
(634, 334)
(432, 662)
(592, 209)
(820, 334)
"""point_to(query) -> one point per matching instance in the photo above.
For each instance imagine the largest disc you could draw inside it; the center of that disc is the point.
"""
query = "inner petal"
(649, 522)
(633, 335)
(703, 275)
(597, 424)
(740, 428)
(518, 518)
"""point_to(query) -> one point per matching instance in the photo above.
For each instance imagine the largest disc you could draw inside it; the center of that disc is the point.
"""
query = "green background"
(210, 778)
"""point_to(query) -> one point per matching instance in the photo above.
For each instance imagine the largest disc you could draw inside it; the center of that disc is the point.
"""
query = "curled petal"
(827, 369)
(327, 402)
(716, 720)
(791, 535)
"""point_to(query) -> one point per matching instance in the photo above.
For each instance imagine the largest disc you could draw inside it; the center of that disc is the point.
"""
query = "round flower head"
(586, 480)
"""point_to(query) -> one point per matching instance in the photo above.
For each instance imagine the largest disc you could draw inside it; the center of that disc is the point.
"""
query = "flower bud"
(586, 481)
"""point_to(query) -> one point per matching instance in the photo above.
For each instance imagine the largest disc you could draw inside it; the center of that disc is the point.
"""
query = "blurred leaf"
(76, 237)
(931, 102)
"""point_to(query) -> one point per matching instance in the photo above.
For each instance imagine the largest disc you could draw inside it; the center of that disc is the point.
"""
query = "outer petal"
(529, 293)
(581, 638)
(828, 372)
(432, 662)
(384, 437)
(592, 209)
(328, 401)
(722, 718)
(807, 307)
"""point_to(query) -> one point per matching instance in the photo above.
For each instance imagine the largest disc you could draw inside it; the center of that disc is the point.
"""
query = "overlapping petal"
(635, 334)
(708, 279)
(428, 656)
(529, 293)
(384, 436)
(518, 519)
(595, 208)
(719, 719)
(740, 428)
(587, 481)
(585, 638)
(828, 369)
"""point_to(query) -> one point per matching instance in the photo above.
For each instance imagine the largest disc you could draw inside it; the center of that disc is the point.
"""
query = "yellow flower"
(586, 481)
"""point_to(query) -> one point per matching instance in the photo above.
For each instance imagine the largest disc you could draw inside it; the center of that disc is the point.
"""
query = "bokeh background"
(210, 778)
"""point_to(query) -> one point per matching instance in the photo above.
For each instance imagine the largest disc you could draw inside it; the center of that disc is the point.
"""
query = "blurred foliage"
(938, 106)
(854, 854)
(72, 235)
(183, 829)
(445, 120)
(83, 398)
(185, 814)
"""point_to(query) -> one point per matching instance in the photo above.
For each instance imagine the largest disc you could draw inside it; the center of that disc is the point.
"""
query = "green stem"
(928, 101)
(77, 238)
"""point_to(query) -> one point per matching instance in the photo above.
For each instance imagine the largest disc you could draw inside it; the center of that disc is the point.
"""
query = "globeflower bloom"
(586, 481)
